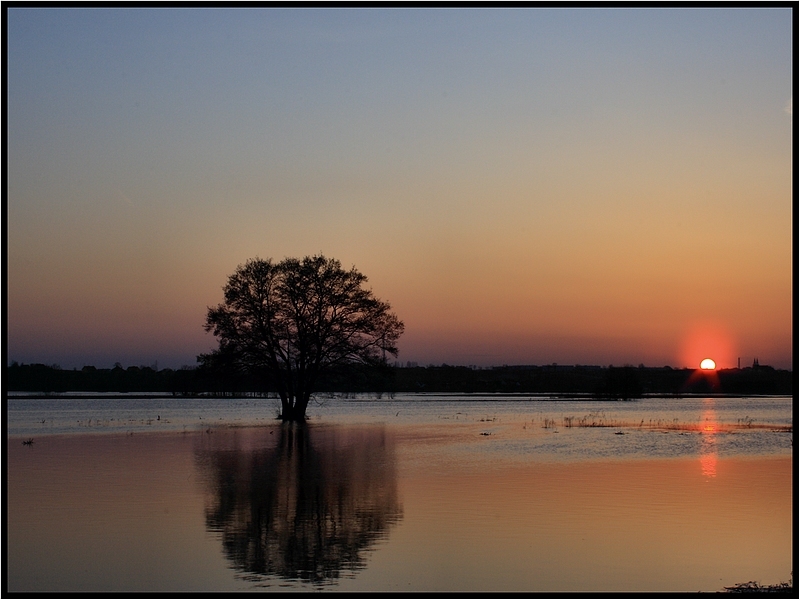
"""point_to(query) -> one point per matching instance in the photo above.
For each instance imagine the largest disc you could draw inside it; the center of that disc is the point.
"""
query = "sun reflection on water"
(708, 448)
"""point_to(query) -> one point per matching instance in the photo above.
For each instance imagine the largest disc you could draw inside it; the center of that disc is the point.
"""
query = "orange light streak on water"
(708, 428)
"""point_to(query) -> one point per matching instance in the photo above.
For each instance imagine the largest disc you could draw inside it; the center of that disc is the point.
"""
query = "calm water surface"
(410, 493)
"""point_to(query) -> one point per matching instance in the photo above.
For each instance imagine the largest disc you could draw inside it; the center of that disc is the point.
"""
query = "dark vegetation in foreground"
(615, 383)
(753, 587)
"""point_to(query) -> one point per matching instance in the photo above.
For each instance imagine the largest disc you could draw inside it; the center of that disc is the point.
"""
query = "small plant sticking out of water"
(28, 442)
(595, 419)
(753, 587)
(548, 423)
(746, 422)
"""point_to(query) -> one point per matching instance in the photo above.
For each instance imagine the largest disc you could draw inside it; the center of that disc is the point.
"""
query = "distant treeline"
(605, 382)
(612, 382)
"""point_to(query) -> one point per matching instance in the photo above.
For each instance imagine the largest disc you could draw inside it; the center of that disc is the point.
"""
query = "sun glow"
(708, 364)
(703, 340)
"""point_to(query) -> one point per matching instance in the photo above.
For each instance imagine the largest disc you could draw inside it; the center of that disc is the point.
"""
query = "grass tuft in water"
(754, 587)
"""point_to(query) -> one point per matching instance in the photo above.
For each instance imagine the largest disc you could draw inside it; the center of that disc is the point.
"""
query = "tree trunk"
(301, 403)
(286, 405)
(294, 412)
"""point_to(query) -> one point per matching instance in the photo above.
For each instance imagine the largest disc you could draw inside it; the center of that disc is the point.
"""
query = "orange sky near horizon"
(523, 187)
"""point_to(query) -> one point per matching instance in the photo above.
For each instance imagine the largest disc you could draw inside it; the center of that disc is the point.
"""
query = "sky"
(523, 186)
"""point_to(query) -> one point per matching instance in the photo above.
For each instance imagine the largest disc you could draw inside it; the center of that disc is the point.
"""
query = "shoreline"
(374, 396)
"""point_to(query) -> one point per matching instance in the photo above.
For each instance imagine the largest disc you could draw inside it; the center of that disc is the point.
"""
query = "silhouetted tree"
(290, 322)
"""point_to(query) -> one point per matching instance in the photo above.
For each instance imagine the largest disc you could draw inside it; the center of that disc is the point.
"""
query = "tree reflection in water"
(302, 502)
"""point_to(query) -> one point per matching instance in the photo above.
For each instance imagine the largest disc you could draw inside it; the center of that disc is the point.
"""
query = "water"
(754, 426)
(415, 493)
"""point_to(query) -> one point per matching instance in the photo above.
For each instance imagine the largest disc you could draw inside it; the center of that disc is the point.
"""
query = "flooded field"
(410, 493)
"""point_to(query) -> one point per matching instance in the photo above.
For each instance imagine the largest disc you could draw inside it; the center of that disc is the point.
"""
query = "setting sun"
(707, 363)
(704, 339)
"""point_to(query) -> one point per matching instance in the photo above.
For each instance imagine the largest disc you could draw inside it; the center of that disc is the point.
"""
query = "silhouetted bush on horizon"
(616, 383)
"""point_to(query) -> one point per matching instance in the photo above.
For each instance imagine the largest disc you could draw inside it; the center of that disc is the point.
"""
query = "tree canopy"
(291, 321)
